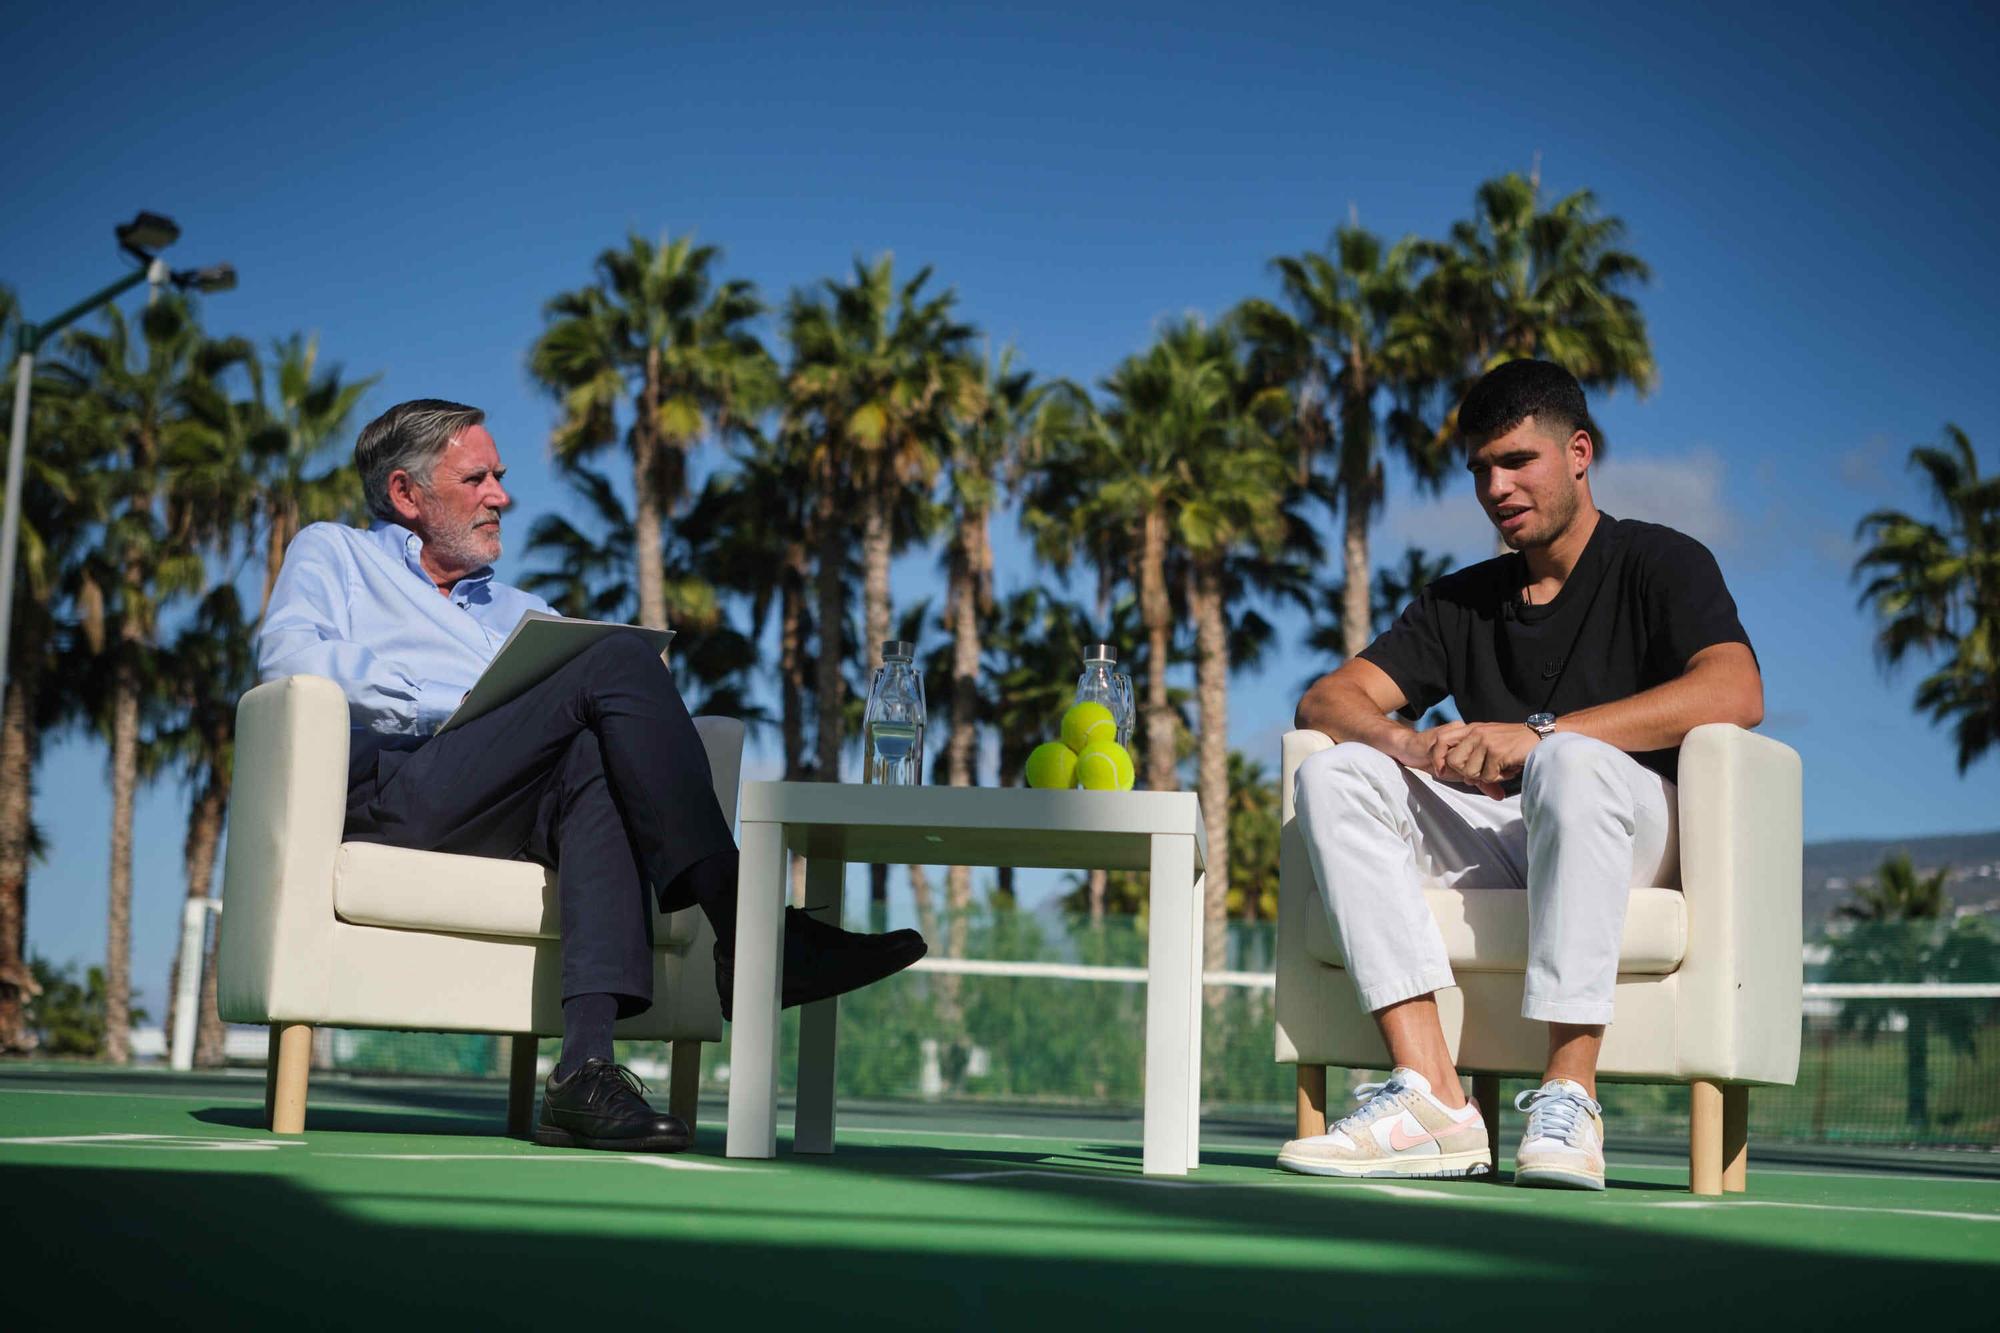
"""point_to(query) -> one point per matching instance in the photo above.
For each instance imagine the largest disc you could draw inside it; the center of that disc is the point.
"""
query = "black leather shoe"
(603, 1105)
(822, 960)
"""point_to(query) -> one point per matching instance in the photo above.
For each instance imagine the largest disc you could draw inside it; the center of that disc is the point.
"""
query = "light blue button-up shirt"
(357, 607)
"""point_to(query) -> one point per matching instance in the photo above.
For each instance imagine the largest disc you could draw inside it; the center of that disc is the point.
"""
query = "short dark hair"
(1513, 391)
(411, 436)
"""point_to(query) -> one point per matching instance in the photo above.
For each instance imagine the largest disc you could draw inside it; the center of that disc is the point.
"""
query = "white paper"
(537, 647)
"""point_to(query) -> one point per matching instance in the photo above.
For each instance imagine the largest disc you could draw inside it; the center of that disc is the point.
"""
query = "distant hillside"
(1833, 868)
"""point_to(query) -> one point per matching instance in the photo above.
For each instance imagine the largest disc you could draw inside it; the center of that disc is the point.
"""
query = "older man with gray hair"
(596, 773)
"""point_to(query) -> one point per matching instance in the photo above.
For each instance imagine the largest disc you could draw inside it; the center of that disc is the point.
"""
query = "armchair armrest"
(1742, 851)
(274, 956)
(1298, 745)
(1302, 984)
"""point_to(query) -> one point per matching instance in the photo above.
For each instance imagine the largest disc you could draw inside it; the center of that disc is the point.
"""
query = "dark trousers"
(596, 773)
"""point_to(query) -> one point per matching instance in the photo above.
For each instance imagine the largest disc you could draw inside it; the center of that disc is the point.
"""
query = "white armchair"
(1709, 975)
(316, 931)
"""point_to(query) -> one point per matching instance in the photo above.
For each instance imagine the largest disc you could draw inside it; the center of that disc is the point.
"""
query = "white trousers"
(1590, 825)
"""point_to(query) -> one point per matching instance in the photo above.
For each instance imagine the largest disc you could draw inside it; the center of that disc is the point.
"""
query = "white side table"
(832, 824)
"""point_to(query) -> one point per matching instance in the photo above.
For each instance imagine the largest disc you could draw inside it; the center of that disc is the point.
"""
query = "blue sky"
(1814, 196)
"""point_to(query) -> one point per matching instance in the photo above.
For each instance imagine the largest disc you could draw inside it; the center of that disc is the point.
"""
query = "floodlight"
(148, 232)
(214, 278)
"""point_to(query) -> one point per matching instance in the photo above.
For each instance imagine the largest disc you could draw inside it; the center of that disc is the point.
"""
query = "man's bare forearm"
(1345, 712)
(1661, 718)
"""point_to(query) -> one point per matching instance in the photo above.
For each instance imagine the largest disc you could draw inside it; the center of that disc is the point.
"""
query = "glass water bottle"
(1102, 683)
(1127, 711)
(892, 729)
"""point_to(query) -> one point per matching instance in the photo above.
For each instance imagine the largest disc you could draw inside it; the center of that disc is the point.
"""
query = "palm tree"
(306, 410)
(1013, 420)
(750, 532)
(1900, 929)
(658, 338)
(1120, 485)
(136, 390)
(61, 503)
(210, 665)
(878, 372)
(1343, 348)
(1253, 838)
(1935, 589)
(581, 572)
(1395, 587)
(1032, 650)
(1520, 280)
(1236, 506)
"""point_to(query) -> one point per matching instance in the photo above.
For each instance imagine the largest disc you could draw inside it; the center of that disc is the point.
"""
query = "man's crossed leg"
(1589, 824)
(599, 774)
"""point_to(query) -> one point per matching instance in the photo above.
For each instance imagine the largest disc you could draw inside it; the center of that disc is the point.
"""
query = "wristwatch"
(1543, 723)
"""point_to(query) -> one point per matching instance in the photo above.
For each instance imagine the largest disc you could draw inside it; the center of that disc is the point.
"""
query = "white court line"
(1904, 1176)
(1828, 1208)
(1405, 1191)
(1076, 1175)
(957, 1133)
(187, 1142)
(214, 1101)
(666, 1163)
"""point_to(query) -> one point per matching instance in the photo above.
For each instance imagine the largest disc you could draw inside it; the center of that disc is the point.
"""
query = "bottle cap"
(898, 648)
(1100, 652)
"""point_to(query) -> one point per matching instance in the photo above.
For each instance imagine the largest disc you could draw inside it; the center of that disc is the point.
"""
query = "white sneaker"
(1563, 1145)
(1399, 1129)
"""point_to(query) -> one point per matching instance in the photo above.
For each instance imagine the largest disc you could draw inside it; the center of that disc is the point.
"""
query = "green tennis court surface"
(159, 1196)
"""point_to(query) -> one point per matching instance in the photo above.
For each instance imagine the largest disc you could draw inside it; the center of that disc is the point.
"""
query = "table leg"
(1197, 997)
(819, 1023)
(1173, 1027)
(760, 966)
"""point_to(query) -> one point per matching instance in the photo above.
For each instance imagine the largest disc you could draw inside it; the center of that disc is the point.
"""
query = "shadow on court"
(233, 1248)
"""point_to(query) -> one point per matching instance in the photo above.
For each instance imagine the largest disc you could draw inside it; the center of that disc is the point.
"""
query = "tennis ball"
(1087, 722)
(1052, 765)
(1104, 766)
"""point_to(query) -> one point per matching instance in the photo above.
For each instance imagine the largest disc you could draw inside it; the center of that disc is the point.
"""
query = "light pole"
(139, 238)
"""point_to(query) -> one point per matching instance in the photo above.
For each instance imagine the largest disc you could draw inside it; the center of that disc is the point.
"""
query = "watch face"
(1540, 720)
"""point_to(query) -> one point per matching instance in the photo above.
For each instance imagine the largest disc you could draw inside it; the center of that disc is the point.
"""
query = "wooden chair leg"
(294, 1043)
(271, 1074)
(1486, 1092)
(1735, 1139)
(1705, 1137)
(684, 1090)
(1312, 1101)
(521, 1085)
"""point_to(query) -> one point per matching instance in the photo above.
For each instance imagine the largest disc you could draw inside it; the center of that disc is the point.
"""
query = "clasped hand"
(1481, 754)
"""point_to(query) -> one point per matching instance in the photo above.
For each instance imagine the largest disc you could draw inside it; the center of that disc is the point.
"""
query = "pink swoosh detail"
(1399, 1142)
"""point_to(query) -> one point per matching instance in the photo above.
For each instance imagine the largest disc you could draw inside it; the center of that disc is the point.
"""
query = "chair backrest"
(723, 737)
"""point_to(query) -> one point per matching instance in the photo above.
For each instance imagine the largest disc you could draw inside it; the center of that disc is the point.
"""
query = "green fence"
(1921, 1069)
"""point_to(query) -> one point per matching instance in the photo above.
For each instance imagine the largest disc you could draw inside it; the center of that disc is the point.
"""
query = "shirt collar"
(399, 540)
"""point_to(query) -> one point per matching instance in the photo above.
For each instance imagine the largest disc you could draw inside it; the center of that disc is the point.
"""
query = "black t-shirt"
(1641, 601)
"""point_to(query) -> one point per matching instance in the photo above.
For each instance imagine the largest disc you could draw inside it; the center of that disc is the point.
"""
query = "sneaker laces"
(1374, 1100)
(1555, 1115)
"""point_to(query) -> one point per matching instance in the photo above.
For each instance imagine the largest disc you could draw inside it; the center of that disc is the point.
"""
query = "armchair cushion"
(376, 885)
(1486, 930)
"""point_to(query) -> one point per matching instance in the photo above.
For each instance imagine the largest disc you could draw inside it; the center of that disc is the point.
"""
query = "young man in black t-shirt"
(1578, 662)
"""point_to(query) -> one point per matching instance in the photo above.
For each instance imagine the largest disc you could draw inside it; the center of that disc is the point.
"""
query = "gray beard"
(461, 548)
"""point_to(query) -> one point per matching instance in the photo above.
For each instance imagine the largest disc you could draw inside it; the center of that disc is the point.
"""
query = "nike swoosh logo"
(1399, 1141)
(1550, 670)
